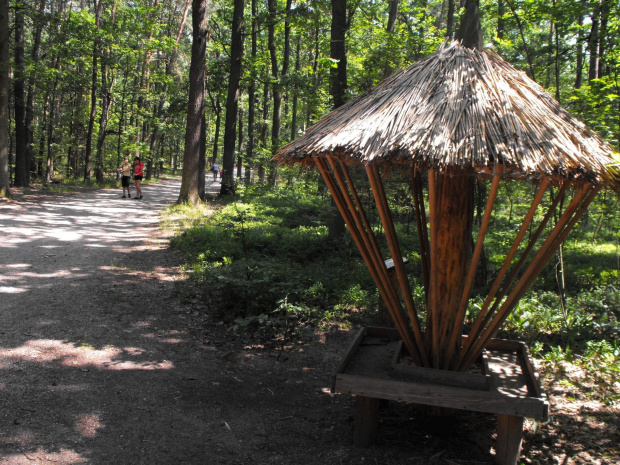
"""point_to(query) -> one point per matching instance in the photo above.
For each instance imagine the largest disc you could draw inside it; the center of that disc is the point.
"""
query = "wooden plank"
(382, 332)
(441, 396)
(435, 376)
(348, 356)
(509, 439)
(366, 420)
(534, 385)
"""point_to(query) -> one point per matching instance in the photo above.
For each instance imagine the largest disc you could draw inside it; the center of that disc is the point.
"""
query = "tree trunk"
(392, 16)
(453, 219)
(557, 52)
(32, 79)
(603, 69)
(196, 104)
(276, 76)
(22, 164)
(336, 225)
(338, 52)
(594, 41)
(232, 100)
(450, 20)
(470, 30)
(164, 93)
(93, 94)
(240, 145)
(501, 22)
(202, 159)
(218, 125)
(4, 99)
(252, 95)
(580, 54)
(296, 90)
(103, 120)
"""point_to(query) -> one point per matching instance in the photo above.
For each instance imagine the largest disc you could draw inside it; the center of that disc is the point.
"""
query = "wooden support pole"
(483, 317)
(509, 439)
(363, 239)
(432, 318)
(572, 214)
(366, 420)
(390, 232)
(457, 330)
(451, 245)
(363, 226)
(420, 216)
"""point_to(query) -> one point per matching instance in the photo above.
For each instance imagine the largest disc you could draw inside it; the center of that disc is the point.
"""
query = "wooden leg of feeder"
(366, 420)
(509, 437)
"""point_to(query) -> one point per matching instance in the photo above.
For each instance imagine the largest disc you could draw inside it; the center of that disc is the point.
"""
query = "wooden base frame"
(515, 392)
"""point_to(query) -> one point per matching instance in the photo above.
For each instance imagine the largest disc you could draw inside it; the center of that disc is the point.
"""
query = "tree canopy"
(91, 82)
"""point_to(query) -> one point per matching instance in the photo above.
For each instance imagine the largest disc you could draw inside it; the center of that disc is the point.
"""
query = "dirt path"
(101, 363)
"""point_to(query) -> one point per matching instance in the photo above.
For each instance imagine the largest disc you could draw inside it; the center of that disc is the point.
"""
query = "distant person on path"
(126, 177)
(216, 169)
(138, 174)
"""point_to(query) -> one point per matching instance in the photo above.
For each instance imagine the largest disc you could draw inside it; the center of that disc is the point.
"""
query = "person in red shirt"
(138, 174)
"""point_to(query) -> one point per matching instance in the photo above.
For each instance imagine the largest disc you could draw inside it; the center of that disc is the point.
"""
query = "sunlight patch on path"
(68, 354)
(64, 456)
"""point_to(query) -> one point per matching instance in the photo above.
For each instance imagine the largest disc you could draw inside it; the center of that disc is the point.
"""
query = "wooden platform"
(506, 384)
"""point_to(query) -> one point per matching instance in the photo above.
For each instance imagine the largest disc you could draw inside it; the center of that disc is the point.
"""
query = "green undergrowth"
(262, 261)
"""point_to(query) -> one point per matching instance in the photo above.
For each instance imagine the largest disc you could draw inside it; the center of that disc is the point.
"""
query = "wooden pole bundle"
(448, 280)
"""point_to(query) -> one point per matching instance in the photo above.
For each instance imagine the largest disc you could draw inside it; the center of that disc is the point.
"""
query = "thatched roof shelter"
(459, 107)
(458, 114)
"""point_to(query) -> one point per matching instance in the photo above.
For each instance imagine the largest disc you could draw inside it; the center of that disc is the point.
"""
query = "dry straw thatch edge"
(460, 107)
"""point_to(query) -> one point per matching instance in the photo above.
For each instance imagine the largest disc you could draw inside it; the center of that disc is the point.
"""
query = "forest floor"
(102, 362)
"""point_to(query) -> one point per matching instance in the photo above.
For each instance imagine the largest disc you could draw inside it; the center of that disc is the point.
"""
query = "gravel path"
(102, 363)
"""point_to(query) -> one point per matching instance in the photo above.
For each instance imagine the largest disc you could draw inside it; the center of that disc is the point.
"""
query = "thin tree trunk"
(450, 20)
(501, 22)
(580, 54)
(240, 145)
(336, 225)
(53, 106)
(522, 33)
(169, 71)
(32, 79)
(103, 120)
(557, 52)
(338, 52)
(393, 15)
(262, 138)
(594, 41)
(22, 163)
(252, 95)
(296, 90)
(602, 43)
(218, 126)
(4, 99)
(70, 155)
(196, 104)
(93, 93)
(232, 100)
(276, 76)
(202, 160)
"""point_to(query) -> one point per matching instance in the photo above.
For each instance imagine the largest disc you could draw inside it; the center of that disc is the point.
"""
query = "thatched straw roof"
(459, 107)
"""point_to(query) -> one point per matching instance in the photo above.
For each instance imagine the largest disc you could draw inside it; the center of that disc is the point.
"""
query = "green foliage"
(266, 247)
